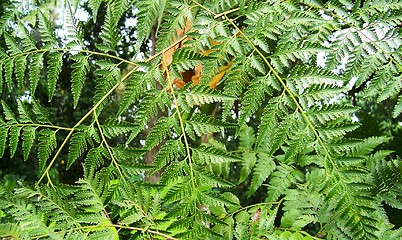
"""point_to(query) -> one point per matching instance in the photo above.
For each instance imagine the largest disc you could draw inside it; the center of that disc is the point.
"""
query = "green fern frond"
(159, 132)
(12, 230)
(36, 66)
(95, 159)
(209, 154)
(107, 76)
(269, 118)
(148, 108)
(170, 151)
(94, 5)
(148, 13)
(47, 143)
(46, 30)
(14, 134)
(78, 75)
(41, 113)
(73, 31)
(185, 59)
(3, 139)
(109, 34)
(282, 179)
(78, 145)
(210, 179)
(202, 124)
(204, 95)
(28, 138)
(26, 39)
(8, 71)
(9, 11)
(8, 113)
(135, 87)
(55, 63)
(330, 112)
(12, 45)
(23, 113)
(263, 168)
(253, 98)
(289, 52)
(19, 69)
(113, 128)
(51, 203)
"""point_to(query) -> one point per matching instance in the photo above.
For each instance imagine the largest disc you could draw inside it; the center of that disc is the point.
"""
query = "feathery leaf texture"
(275, 129)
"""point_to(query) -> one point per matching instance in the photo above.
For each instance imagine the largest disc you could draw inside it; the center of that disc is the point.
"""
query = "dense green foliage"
(276, 128)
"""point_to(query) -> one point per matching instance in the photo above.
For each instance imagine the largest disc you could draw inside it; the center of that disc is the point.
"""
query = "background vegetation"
(200, 119)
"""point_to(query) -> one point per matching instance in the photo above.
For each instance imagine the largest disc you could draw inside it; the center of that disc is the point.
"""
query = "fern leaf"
(78, 75)
(73, 31)
(281, 180)
(41, 113)
(12, 230)
(263, 169)
(8, 113)
(14, 134)
(208, 155)
(26, 40)
(170, 151)
(3, 139)
(107, 77)
(95, 159)
(203, 124)
(268, 121)
(54, 68)
(8, 13)
(185, 59)
(253, 98)
(20, 67)
(47, 143)
(35, 70)
(52, 203)
(1, 75)
(148, 108)
(78, 145)
(28, 137)
(12, 45)
(204, 95)
(148, 12)
(113, 128)
(159, 131)
(94, 5)
(398, 108)
(134, 89)
(23, 113)
(210, 179)
(109, 33)
(46, 30)
(8, 72)
(330, 112)
(247, 139)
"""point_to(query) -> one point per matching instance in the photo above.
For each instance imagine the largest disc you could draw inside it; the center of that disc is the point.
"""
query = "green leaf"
(3, 139)
(23, 113)
(78, 145)
(208, 155)
(54, 63)
(9, 115)
(263, 169)
(28, 138)
(78, 75)
(35, 70)
(47, 143)
(41, 114)
(14, 136)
